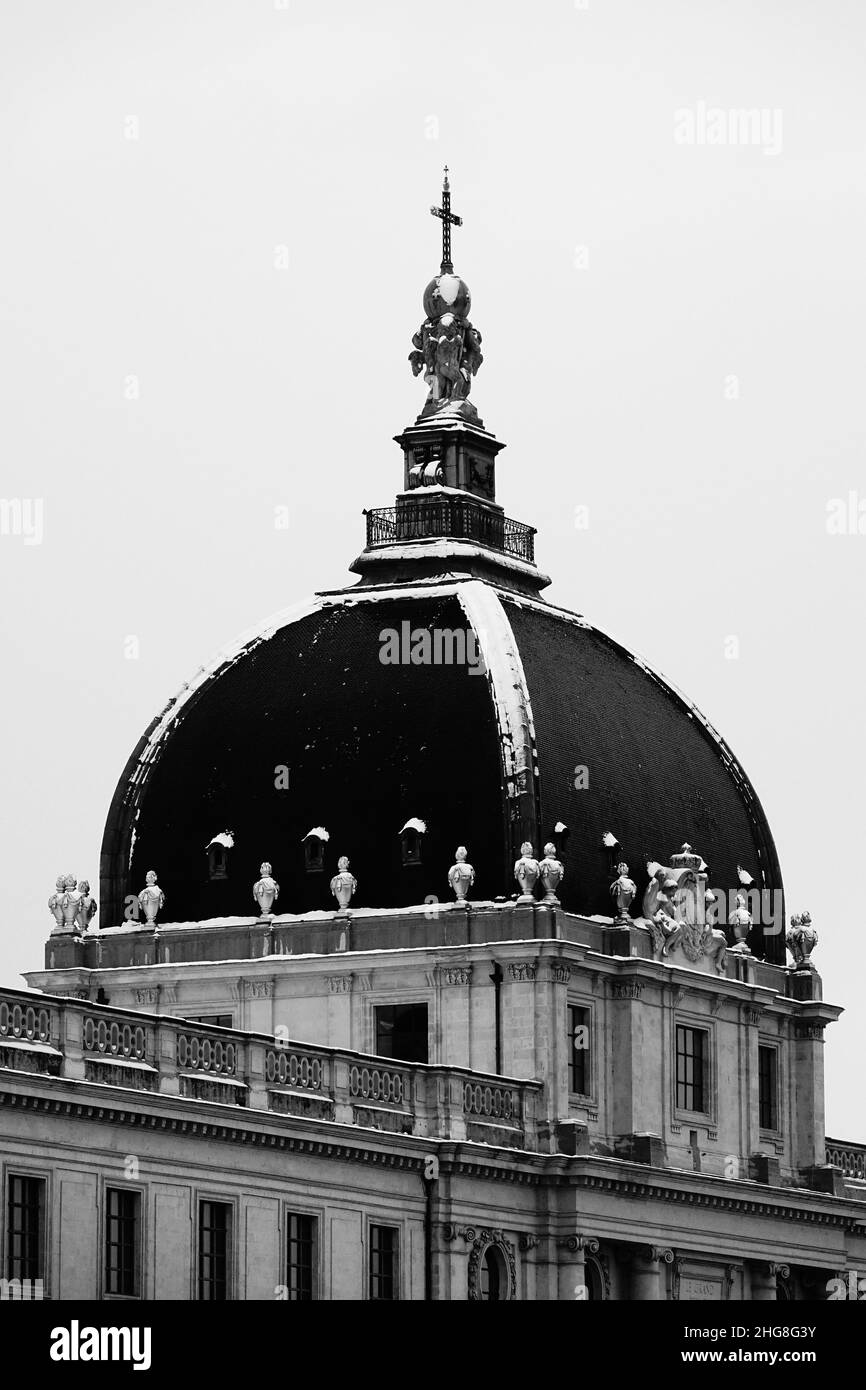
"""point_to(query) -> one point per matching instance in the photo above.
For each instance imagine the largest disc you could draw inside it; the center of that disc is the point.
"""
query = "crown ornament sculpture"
(447, 348)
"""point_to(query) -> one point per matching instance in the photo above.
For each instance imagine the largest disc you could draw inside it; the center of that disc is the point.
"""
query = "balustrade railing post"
(343, 1112)
(165, 1034)
(71, 1041)
(254, 1074)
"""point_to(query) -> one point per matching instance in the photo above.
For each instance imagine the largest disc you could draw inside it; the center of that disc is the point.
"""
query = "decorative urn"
(343, 884)
(266, 890)
(802, 940)
(87, 906)
(552, 872)
(740, 922)
(69, 902)
(526, 871)
(151, 898)
(461, 875)
(55, 903)
(623, 890)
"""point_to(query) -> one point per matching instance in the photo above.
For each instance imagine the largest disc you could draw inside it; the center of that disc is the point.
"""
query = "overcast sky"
(215, 238)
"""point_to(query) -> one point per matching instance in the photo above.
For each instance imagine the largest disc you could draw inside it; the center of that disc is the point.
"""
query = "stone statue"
(343, 884)
(69, 902)
(55, 903)
(802, 940)
(623, 890)
(461, 875)
(151, 897)
(740, 922)
(266, 890)
(551, 872)
(526, 871)
(448, 350)
(87, 906)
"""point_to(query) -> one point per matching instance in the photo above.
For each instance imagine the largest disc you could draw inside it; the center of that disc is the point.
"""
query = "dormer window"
(218, 855)
(411, 841)
(314, 849)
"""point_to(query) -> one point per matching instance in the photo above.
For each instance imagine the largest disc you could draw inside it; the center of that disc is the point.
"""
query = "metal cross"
(448, 217)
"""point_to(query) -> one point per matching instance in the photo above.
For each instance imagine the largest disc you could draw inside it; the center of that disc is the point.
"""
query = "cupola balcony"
(450, 517)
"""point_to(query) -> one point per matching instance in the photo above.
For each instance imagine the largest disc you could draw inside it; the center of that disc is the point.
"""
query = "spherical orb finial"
(447, 294)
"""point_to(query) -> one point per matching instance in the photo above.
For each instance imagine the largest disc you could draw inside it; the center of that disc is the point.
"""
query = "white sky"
(308, 126)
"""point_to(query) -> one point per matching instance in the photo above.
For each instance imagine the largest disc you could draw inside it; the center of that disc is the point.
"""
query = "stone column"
(762, 1280)
(647, 1273)
(454, 983)
(518, 1018)
(339, 1010)
(571, 1281)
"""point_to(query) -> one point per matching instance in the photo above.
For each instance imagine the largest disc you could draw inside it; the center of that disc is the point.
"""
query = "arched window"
(494, 1275)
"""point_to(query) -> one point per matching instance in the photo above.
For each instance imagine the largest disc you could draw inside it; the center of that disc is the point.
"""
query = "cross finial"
(448, 219)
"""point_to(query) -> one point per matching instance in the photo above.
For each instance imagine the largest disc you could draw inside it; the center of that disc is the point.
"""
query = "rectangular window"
(692, 1054)
(401, 1032)
(301, 1254)
(383, 1262)
(768, 1090)
(579, 1074)
(25, 1227)
(122, 1219)
(218, 1020)
(214, 1236)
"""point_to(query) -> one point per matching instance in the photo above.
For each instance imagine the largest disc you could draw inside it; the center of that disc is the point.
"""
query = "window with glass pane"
(768, 1113)
(383, 1262)
(493, 1275)
(121, 1241)
(579, 1078)
(401, 1032)
(691, 1069)
(301, 1255)
(214, 1234)
(218, 1020)
(25, 1227)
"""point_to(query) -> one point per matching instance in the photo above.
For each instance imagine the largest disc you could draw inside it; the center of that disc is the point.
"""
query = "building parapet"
(75, 1040)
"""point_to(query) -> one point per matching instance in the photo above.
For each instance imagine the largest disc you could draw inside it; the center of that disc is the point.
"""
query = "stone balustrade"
(79, 1041)
(851, 1158)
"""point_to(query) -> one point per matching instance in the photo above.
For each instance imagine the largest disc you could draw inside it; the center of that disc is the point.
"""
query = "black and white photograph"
(433, 544)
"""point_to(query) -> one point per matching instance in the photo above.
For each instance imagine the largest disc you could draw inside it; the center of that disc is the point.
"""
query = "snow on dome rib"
(499, 652)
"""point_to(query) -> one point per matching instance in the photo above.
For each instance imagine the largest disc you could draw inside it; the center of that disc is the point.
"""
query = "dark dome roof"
(485, 759)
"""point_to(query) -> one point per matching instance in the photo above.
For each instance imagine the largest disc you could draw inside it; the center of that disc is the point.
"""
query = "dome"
(456, 703)
(447, 294)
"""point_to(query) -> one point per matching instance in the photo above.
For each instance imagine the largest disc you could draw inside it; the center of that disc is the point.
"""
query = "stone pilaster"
(648, 1273)
(571, 1284)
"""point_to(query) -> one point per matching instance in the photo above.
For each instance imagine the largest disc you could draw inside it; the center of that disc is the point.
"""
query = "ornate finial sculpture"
(343, 884)
(552, 872)
(87, 906)
(526, 871)
(740, 922)
(802, 940)
(446, 348)
(151, 898)
(69, 902)
(266, 890)
(623, 890)
(461, 875)
(55, 903)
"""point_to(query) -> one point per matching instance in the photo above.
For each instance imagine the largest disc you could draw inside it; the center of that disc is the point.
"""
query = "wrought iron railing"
(455, 518)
